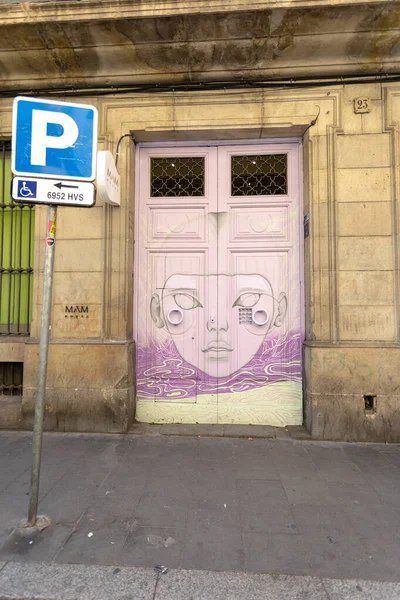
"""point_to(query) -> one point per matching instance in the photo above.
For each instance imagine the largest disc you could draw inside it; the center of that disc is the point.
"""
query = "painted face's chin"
(219, 362)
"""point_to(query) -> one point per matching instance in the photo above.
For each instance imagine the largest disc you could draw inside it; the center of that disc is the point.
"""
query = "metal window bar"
(11, 377)
(17, 223)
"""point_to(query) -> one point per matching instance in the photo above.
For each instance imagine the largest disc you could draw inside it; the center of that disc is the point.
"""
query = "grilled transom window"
(259, 175)
(177, 176)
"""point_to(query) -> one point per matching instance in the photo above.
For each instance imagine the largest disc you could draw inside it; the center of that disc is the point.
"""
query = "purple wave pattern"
(162, 373)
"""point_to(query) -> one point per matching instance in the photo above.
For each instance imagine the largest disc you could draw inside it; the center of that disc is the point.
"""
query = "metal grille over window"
(259, 175)
(17, 223)
(182, 176)
(11, 375)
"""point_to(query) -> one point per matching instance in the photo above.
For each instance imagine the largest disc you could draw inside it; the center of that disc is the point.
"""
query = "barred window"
(177, 176)
(17, 223)
(259, 175)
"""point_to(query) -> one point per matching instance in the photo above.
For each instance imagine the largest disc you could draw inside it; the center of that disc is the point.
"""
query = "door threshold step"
(229, 431)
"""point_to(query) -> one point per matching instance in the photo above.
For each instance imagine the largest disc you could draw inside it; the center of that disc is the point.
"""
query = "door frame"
(218, 143)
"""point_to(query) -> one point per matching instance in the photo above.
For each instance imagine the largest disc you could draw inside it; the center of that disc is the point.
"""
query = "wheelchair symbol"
(27, 189)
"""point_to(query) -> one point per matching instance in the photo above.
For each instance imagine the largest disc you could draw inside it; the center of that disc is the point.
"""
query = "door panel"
(218, 305)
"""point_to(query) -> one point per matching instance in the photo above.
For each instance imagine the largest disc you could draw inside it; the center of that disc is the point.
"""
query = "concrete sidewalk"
(261, 506)
(40, 581)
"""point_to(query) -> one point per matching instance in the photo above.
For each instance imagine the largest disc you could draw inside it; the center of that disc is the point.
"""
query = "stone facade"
(350, 171)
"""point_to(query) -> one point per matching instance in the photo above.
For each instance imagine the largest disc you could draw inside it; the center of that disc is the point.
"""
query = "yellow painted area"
(277, 404)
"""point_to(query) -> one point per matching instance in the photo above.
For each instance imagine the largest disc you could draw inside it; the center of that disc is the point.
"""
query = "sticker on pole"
(53, 191)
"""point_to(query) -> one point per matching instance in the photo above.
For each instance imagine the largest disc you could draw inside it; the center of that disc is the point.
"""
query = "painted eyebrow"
(181, 290)
(252, 291)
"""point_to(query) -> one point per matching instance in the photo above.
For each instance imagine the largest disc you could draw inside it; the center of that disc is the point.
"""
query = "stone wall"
(351, 188)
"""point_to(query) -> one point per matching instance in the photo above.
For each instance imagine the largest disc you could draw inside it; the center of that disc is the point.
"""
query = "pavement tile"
(69, 582)
(291, 458)
(69, 497)
(392, 500)
(204, 585)
(50, 472)
(335, 466)
(101, 548)
(208, 546)
(330, 542)
(346, 494)
(384, 551)
(330, 555)
(253, 460)
(367, 457)
(119, 503)
(164, 503)
(13, 508)
(393, 458)
(216, 450)
(67, 500)
(275, 553)
(161, 512)
(385, 480)
(213, 513)
(150, 546)
(179, 456)
(306, 488)
(371, 522)
(213, 485)
(264, 507)
(361, 590)
(32, 545)
(15, 459)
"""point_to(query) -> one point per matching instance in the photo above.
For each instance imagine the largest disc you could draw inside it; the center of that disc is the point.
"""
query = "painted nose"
(217, 325)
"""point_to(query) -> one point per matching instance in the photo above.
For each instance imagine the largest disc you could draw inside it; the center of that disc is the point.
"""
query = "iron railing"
(16, 254)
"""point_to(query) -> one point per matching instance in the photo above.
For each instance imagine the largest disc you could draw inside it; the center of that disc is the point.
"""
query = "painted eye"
(186, 301)
(248, 299)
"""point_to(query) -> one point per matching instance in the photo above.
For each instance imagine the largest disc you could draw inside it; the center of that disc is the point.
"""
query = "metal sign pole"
(42, 363)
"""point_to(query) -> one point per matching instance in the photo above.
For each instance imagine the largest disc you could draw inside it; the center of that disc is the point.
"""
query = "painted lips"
(218, 347)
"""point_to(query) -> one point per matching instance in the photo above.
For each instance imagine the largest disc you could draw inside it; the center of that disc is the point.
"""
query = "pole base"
(42, 521)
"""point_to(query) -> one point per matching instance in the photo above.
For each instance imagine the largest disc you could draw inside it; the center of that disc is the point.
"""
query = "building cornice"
(101, 10)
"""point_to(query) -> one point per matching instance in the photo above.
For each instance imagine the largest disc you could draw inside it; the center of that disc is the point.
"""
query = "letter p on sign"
(54, 139)
(41, 141)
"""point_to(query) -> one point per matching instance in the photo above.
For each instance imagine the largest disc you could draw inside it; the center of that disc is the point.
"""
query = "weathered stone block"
(339, 417)
(350, 370)
(89, 387)
(80, 223)
(368, 288)
(364, 218)
(367, 323)
(367, 150)
(74, 255)
(76, 321)
(365, 254)
(363, 185)
(78, 288)
(10, 412)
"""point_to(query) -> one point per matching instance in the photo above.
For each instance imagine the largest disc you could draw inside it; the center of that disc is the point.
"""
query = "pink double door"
(218, 287)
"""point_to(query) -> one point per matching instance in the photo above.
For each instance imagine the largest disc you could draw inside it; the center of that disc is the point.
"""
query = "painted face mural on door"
(219, 319)
(228, 315)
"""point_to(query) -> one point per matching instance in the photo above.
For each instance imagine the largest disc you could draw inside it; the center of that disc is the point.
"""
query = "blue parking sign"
(52, 138)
